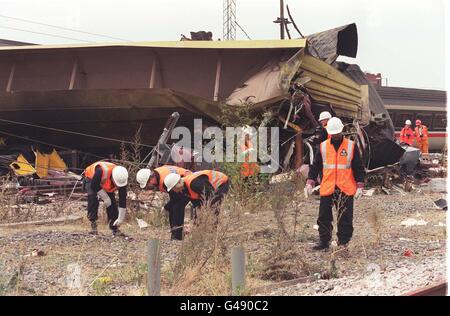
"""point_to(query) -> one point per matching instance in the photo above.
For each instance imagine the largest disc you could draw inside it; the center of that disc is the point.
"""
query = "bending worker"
(343, 180)
(206, 186)
(154, 180)
(407, 134)
(421, 136)
(102, 179)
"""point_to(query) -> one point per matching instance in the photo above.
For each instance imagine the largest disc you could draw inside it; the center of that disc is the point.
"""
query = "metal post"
(153, 268)
(237, 270)
(282, 19)
(298, 150)
(11, 76)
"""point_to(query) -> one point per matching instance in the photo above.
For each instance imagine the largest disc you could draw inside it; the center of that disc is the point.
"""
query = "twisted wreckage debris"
(38, 181)
(289, 82)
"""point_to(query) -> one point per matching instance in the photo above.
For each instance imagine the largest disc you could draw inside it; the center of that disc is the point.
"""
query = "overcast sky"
(401, 39)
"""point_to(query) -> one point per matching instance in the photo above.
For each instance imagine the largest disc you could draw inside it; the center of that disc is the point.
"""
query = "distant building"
(374, 79)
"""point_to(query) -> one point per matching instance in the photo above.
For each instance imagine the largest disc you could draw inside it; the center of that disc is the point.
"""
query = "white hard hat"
(142, 177)
(408, 122)
(325, 115)
(334, 126)
(120, 176)
(171, 180)
(248, 130)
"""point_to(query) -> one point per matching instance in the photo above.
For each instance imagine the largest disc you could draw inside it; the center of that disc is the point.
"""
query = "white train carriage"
(429, 106)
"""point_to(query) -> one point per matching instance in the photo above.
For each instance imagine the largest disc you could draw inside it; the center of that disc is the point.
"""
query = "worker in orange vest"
(407, 134)
(206, 186)
(154, 180)
(102, 179)
(248, 169)
(343, 181)
(421, 136)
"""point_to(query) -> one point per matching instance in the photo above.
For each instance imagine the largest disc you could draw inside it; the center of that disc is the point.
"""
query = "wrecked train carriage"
(111, 89)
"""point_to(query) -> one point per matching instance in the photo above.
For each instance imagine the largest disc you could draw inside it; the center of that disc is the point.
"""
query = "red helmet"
(418, 122)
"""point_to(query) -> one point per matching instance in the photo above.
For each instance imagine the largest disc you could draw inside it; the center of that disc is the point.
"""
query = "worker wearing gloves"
(102, 179)
(154, 180)
(421, 136)
(407, 134)
(200, 187)
(343, 180)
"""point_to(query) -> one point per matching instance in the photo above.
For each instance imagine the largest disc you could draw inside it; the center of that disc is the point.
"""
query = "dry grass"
(202, 266)
(275, 231)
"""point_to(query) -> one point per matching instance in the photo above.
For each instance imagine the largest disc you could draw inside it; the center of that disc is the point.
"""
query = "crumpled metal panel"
(271, 82)
(328, 85)
(328, 45)
(22, 167)
(376, 104)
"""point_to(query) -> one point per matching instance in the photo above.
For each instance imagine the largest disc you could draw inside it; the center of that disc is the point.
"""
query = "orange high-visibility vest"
(407, 136)
(107, 167)
(424, 131)
(216, 178)
(164, 171)
(248, 168)
(337, 168)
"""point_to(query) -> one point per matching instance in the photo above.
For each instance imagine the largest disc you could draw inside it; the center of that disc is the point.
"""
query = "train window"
(439, 122)
(425, 118)
(400, 119)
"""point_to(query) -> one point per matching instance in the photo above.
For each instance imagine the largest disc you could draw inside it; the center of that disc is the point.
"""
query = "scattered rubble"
(397, 278)
(413, 222)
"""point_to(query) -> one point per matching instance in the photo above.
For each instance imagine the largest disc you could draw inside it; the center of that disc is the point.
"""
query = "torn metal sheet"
(329, 44)
(22, 167)
(410, 159)
(271, 81)
(441, 204)
(48, 162)
(376, 110)
(330, 86)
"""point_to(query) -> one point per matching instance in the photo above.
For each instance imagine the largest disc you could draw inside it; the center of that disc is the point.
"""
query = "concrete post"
(153, 268)
(238, 270)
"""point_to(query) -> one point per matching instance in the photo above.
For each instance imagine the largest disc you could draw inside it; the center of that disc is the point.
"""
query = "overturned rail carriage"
(111, 90)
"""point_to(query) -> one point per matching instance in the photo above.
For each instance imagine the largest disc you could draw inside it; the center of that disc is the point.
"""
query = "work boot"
(342, 244)
(321, 246)
(93, 230)
(118, 233)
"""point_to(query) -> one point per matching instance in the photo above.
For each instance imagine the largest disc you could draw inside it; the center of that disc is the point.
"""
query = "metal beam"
(11, 76)
(152, 74)
(73, 74)
(217, 81)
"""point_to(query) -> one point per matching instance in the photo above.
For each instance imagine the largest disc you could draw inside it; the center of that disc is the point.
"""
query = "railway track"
(438, 289)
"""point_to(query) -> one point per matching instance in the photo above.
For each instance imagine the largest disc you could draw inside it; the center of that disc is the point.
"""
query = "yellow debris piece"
(46, 162)
(56, 162)
(22, 167)
(42, 164)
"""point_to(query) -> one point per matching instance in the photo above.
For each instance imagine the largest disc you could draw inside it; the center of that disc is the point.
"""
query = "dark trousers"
(344, 207)
(214, 201)
(92, 208)
(176, 207)
(219, 194)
